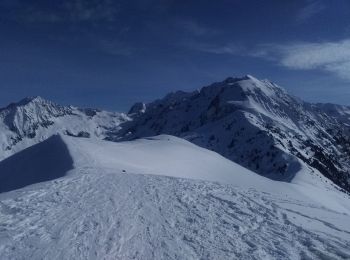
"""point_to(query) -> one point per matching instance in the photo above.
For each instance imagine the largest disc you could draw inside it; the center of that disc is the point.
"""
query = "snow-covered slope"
(68, 192)
(161, 155)
(254, 123)
(106, 203)
(34, 119)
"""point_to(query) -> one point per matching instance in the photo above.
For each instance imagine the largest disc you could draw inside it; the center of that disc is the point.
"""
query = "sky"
(110, 54)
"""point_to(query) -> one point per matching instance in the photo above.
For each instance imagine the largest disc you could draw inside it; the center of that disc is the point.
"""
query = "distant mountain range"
(252, 122)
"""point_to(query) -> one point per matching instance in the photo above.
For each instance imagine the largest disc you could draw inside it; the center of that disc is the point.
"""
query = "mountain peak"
(251, 85)
(248, 76)
(34, 99)
(24, 117)
(238, 79)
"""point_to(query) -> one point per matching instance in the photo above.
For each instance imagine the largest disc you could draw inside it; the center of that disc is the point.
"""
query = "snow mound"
(45, 161)
(160, 155)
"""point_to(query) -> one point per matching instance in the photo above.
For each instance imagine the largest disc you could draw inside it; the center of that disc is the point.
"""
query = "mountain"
(90, 184)
(32, 120)
(254, 123)
(160, 198)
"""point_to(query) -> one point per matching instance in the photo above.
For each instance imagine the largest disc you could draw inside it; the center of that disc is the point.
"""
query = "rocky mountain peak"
(255, 123)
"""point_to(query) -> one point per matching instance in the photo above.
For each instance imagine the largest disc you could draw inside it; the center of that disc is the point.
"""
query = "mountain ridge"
(252, 122)
(251, 115)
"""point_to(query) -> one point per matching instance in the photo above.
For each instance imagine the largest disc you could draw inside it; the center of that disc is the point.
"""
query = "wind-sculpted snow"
(111, 206)
(41, 162)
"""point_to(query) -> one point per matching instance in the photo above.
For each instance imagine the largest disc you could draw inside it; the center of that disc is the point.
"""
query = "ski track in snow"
(99, 214)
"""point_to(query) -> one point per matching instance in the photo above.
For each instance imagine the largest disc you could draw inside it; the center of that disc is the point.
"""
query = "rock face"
(256, 124)
(137, 108)
(252, 122)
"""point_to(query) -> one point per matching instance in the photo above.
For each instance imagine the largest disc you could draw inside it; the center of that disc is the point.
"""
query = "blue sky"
(112, 53)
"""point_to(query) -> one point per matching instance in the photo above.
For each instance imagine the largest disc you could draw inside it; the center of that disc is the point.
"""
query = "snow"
(161, 155)
(42, 162)
(33, 120)
(175, 157)
(252, 122)
(162, 197)
(165, 198)
(256, 124)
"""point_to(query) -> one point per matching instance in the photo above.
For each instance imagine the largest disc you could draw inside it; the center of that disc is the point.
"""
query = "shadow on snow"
(45, 161)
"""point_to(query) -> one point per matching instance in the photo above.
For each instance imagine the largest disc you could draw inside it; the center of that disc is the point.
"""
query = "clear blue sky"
(112, 53)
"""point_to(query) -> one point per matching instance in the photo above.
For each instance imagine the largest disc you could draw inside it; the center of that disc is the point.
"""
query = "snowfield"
(161, 198)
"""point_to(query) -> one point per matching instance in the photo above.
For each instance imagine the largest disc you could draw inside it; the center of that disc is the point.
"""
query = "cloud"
(312, 8)
(333, 57)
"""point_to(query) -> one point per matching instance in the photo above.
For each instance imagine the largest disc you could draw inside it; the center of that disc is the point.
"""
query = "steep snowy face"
(34, 119)
(254, 123)
(26, 116)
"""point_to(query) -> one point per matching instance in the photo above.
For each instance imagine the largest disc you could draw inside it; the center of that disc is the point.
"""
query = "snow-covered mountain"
(161, 198)
(81, 184)
(254, 123)
(35, 119)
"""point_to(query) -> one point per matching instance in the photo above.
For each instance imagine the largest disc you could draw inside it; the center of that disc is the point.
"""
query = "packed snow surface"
(163, 198)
